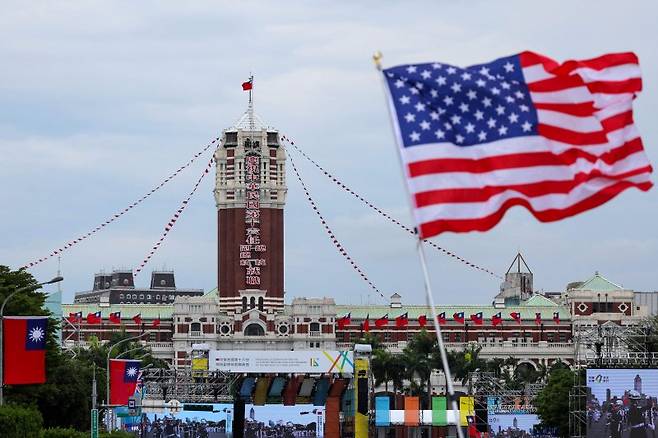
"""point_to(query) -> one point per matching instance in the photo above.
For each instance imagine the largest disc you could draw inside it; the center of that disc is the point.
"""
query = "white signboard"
(314, 362)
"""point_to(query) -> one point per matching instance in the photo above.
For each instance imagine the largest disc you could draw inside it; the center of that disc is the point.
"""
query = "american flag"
(558, 139)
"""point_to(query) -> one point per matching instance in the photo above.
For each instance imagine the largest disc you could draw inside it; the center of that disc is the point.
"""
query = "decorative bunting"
(381, 212)
(331, 234)
(124, 211)
(173, 220)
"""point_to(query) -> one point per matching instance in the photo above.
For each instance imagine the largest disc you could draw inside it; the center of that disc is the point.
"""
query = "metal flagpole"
(377, 57)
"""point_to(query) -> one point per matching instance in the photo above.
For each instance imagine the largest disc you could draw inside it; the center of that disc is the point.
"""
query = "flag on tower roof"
(557, 139)
(246, 86)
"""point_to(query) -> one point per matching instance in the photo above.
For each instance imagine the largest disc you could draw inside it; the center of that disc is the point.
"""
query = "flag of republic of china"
(123, 380)
(558, 139)
(24, 349)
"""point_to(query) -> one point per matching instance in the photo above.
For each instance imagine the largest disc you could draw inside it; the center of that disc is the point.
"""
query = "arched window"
(315, 327)
(244, 304)
(254, 330)
(196, 327)
(252, 302)
(260, 303)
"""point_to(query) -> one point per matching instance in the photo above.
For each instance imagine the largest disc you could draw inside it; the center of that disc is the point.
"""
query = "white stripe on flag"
(477, 210)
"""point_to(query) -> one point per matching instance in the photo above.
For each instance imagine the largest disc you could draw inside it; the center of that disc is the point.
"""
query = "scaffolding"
(203, 386)
(607, 345)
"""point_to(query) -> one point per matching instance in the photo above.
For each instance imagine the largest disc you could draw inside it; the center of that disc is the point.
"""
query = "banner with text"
(316, 362)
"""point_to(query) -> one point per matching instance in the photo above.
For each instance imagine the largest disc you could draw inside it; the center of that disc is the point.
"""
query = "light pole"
(2, 313)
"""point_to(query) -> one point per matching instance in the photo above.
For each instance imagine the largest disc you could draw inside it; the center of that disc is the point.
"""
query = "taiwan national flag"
(442, 318)
(115, 318)
(246, 86)
(94, 318)
(24, 349)
(422, 320)
(516, 316)
(556, 317)
(477, 318)
(123, 380)
(458, 317)
(402, 320)
(497, 319)
(344, 321)
(381, 322)
(366, 324)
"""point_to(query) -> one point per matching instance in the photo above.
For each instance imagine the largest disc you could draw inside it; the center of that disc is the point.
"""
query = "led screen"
(621, 403)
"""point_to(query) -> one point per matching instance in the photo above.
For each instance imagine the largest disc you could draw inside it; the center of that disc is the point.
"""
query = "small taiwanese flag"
(246, 86)
(366, 324)
(442, 318)
(477, 318)
(24, 349)
(156, 322)
(75, 317)
(538, 318)
(516, 316)
(344, 321)
(497, 319)
(381, 322)
(123, 380)
(556, 317)
(458, 317)
(115, 317)
(422, 320)
(94, 318)
(402, 320)
(138, 319)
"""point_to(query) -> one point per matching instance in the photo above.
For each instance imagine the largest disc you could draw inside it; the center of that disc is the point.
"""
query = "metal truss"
(612, 345)
(486, 384)
(188, 385)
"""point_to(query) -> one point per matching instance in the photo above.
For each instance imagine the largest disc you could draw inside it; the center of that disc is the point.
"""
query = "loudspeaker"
(481, 415)
(238, 418)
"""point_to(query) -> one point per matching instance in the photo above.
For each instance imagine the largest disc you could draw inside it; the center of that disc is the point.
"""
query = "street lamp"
(2, 313)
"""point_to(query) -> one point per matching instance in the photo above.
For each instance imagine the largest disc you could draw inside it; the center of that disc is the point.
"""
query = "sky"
(100, 101)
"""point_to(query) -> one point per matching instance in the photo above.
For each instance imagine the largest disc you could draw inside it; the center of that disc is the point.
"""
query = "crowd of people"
(633, 415)
(170, 427)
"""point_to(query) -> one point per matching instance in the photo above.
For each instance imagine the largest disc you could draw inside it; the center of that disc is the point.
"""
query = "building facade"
(248, 311)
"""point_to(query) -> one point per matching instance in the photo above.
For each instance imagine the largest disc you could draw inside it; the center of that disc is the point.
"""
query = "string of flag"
(174, 218)
(382, 213)
(332, 236)
(117, 215)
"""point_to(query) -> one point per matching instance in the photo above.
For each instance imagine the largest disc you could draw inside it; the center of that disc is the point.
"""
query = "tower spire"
(250, 108)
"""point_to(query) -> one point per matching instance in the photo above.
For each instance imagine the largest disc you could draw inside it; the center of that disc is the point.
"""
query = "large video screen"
(283, 421)
(260, 421)
(622, 403)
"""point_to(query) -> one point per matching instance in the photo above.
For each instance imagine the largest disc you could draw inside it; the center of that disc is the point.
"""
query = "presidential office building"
(247, 311)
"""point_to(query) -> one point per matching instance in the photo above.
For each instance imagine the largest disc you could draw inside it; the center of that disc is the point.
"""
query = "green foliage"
(65, 399)
(19, 421)
(116, 434)
(553, 401)
(59, 432)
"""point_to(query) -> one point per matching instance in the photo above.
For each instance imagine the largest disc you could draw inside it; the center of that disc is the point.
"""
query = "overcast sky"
(99, 101)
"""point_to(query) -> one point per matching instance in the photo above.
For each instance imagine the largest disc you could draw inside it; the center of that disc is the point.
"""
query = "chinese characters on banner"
(252, 251)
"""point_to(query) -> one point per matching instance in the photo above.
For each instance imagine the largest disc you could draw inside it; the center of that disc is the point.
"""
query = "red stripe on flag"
(529, 190)
(487, 222)
(575, 109)
(514, 161)
(633, 85)
(572, 137)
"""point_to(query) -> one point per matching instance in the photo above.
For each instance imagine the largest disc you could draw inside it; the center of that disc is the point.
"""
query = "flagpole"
(377, 57)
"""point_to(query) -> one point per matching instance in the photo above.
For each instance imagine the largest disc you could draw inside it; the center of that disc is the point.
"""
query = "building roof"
(599, 283)
(527, 310)
(148, 311)
(245, 122)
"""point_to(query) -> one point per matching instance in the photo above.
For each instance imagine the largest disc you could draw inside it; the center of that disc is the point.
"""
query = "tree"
(553, 401)
(19, 422)
(387, 367)
(420, 360)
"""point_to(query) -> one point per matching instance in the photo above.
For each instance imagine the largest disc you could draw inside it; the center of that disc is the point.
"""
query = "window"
(315, 327)
(254, 330)
(602, 307)
(244, 304)
(121, 296)
(252, 302)
(141, 296)
(148, 297)
(260, 303)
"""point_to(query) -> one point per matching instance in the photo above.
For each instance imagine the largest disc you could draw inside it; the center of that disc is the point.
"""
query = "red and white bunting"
(122, 212)
(168, 227)
(382, 213)
(331, 234)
